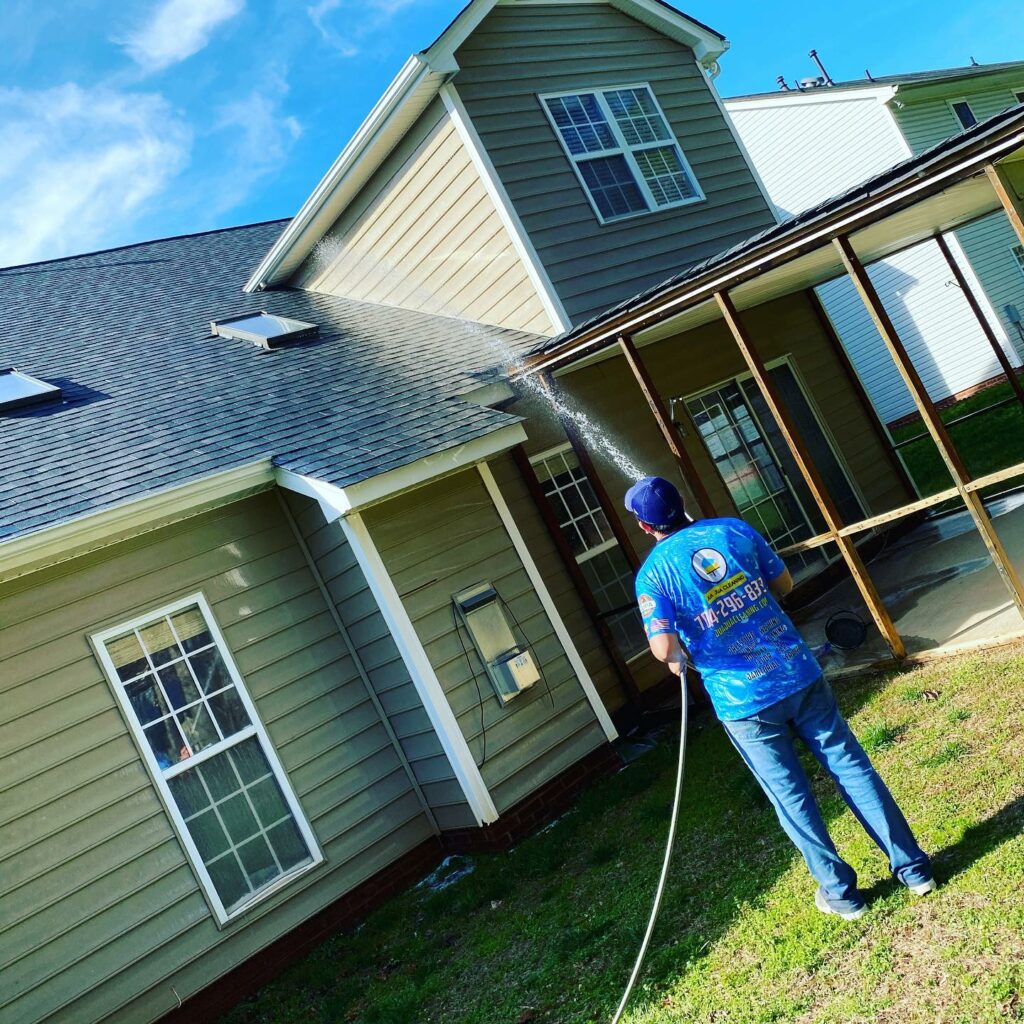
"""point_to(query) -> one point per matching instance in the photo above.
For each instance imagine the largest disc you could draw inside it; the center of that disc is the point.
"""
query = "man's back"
(710, 583)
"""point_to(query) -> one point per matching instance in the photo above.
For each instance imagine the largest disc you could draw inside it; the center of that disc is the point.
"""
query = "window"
(208, 753)
(585, 526)
(266, 329)
(964, 114)
(1018, 255)
(622, 150)
(1019, 97)
(18, 389)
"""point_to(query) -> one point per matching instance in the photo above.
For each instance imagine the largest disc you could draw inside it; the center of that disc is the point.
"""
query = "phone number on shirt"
(730, 604)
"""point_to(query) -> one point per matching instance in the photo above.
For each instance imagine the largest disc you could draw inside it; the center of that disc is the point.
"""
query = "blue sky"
(145, 118)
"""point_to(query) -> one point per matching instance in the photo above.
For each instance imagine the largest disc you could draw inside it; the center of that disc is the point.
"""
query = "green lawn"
(990, 441)
(547, 932)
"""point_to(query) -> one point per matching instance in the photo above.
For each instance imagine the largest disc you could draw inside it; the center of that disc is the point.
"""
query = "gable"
(425, 234)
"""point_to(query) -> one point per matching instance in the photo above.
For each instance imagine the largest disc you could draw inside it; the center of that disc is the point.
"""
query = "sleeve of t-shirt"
(770, 563)
(656, 608)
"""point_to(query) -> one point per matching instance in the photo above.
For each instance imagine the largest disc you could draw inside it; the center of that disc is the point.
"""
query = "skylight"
(18, 389)
(262, 328)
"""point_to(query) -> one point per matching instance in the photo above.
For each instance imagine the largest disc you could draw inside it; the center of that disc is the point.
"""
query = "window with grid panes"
(623, 150)
(598, 554)
(208, 753)
(1018, 255)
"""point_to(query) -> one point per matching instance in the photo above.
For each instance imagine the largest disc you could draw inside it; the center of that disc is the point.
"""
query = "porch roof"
(935, 191)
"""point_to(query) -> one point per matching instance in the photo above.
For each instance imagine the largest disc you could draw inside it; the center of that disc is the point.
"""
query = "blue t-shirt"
(709, 583)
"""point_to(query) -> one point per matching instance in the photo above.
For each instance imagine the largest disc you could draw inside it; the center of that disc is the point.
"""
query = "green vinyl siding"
(439, 540)
(518, 53)
(383, 663)
(926, 118)
(102, 911)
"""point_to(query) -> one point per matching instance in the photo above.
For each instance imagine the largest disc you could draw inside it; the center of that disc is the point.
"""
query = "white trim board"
(428, 686)
(521, 241)
(508, 520)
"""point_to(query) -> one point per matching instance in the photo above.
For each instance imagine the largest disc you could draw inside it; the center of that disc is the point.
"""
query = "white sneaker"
(847, 915)
(923, 888)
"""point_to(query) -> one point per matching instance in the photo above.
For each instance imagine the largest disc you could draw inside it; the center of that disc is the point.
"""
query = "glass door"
(756, 466)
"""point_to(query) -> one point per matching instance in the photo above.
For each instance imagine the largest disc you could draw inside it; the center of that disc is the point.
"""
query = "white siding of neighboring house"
(808, 149)
(925, 119)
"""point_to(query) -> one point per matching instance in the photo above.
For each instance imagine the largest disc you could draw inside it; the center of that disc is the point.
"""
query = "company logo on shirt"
(709, 565)
(646, 603)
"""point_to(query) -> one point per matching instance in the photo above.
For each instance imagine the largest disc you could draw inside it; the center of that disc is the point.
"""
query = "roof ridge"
(138, 245)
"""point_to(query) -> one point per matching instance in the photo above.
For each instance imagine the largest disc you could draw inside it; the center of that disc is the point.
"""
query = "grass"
(547, 932)
(990, 441)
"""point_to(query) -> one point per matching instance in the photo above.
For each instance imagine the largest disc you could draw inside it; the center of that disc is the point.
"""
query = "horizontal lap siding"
(100, 903)
(926, 119)
(424, 234)
(518, 53)
(437, 541)
(383, 663)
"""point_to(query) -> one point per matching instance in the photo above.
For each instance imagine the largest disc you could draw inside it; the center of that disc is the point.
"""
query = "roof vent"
(811, 83)
(18, 389)
(265, 329)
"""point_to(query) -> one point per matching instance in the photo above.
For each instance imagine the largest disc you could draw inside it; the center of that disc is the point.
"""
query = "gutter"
(406, 82)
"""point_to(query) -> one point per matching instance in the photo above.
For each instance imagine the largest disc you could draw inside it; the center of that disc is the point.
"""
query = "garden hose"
(664, 867)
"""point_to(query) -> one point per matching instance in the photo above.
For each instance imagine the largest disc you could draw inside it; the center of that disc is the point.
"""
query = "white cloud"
(259, 140)
(375, 14)
(79, 165)
(176, 29)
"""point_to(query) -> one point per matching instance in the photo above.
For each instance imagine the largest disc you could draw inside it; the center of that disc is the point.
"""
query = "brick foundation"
(519, 821)
(945, 403)
(537, 809)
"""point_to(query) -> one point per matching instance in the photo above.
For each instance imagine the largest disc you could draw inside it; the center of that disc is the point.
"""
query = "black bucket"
(846, 630)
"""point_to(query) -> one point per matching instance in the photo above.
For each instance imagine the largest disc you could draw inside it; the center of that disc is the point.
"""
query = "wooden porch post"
(810, 474)
(587, 463)
(937, 429)
(855, 382)
(986, 327)
(1012, 204)
(533, 485)
(666, 426)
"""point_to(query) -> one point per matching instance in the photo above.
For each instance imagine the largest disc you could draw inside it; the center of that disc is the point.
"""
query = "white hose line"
(664, 867)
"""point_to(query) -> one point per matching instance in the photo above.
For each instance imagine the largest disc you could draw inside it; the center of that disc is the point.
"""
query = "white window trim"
(160, 776)
(952, 109)
(623, 149)
(1017, 255)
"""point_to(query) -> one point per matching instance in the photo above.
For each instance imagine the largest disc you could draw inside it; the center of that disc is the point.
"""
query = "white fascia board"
(521, 242)
(342, 501)
(824, 94)
(489, 394)
(422, 673)
(547, 602)
(707, 46)
(126, 519)
(407, 96)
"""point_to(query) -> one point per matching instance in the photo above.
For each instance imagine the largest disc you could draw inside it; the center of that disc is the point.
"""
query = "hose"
(664, 867)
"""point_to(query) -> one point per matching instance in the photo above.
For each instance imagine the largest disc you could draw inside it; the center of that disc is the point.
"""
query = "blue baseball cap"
(653, 500)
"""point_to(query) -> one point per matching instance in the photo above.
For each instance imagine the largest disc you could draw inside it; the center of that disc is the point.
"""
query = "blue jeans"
(766, 742)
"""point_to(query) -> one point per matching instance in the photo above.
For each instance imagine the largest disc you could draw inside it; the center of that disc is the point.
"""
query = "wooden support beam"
(572, 567)
(983, 322)
(611, 509)
(668, 429)
(932, 420)
(851, 375)
(809, 471)
(1013, 205)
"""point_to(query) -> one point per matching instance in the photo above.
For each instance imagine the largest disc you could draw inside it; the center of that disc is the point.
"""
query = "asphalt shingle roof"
(152, 400)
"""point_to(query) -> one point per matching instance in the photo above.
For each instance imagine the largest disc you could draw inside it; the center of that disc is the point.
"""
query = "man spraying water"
(716, 583)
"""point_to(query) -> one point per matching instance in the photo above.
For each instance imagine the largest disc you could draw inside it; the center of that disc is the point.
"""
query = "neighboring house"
(812, 143)
(272, 559)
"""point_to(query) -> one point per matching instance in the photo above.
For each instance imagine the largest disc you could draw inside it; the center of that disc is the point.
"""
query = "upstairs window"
(208, 754)
(1019, 97)
(962, 110)
(622, 150)
(1018, 255)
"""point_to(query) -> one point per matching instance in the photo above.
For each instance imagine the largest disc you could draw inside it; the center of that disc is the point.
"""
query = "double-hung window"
(602, 561)
(1018, 254)
(622, 150)
(208, 753)
(963, 113)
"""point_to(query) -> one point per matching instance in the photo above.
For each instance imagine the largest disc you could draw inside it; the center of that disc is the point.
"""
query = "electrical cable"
(664, 867)
(526, 645)
(457, 618)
